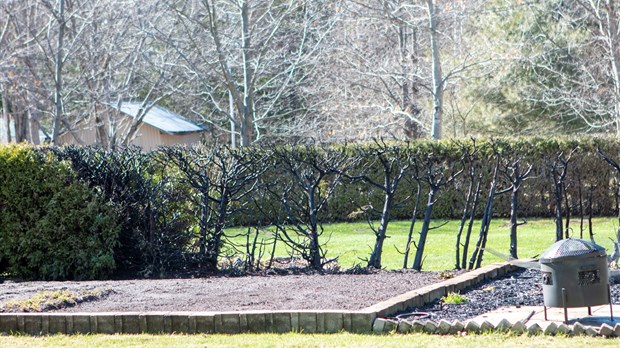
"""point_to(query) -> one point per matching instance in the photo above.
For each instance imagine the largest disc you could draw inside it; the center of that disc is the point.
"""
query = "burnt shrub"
(152, 213)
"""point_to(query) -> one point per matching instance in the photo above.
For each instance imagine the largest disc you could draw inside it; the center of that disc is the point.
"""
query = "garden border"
(308, 321)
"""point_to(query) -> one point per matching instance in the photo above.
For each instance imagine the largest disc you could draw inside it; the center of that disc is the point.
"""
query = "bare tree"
(223, 178)
(515, 175)
(471, 161)
(561, 66)
(310, 175)
(478, 253)
(254, 58)
(393, 161)
(437, 173)
(393, 85)
(558, 168)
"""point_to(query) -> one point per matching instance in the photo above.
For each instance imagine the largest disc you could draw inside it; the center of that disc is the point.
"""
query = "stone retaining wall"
(250, 321)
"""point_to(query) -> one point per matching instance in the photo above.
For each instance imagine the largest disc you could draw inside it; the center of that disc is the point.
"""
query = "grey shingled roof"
(162, 119)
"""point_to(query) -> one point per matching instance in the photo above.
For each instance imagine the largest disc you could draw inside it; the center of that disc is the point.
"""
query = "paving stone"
(456, 327)
(417, 326)
(230, 323)
(243, 322)
(592, 332)
(269, 321)
(8, 323)
(390, 326)
(579, 329)
(403, 326)
(378, 325)
(118, 323)
(438, 293)
(143, 324)
(295, 322)
(564, 329)
(472, 326)
(282, 323)
(33, 324)
(130, 323)
(192, 324)
(180, 323)
(104, 323)
(307, 322)
(346, 322)
(81, 324)
(606, 330)
(486, 326)
(21, 323)
(617, 330)
(205, 323)
(443, 327)
(155, 323)
(534, 329)
(362, 322)
(518, 328)
(430, 327)
(415, 302)
(45, 324)
(551, 329)
(57, 324)
(256, 322)
(320, 322)
(68, 324)
(503, 326)
(333, 322)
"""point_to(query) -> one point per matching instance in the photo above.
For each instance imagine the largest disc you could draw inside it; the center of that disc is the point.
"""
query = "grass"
(352, 242)
(304, 340)
(52, 299)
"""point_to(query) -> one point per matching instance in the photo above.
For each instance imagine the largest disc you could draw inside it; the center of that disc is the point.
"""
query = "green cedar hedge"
(51, 225)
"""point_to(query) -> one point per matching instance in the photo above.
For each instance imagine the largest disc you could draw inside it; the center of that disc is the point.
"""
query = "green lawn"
(352, 242)
(302, 340)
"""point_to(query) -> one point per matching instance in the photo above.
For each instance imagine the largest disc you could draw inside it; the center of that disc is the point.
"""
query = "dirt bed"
(274, 292)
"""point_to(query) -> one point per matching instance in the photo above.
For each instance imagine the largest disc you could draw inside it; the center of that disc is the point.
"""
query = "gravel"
(518, 288)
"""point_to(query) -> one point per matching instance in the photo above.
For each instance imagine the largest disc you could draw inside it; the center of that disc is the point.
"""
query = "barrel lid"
(571, 248)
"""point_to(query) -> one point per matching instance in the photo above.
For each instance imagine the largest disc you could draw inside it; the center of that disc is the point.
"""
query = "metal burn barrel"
(575, 274)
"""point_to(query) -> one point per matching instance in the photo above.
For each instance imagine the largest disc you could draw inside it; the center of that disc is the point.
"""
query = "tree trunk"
(559, 230)
(417, 262)
(514, 206)
(5, 122)
(476, 257)
(471, 222)
(315, 247)
(457, 264)
(58, 73)
(609, 30)
(204, 224)
(412, 225)
(247, 122)
(375, 257)
(437, 128)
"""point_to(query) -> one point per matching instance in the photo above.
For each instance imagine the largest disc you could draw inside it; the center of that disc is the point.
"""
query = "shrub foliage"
(52, 225)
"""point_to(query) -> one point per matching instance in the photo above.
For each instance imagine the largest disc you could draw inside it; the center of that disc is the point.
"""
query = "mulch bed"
(310, 290)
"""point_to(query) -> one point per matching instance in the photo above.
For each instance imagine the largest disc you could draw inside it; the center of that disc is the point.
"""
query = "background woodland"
(332, 71)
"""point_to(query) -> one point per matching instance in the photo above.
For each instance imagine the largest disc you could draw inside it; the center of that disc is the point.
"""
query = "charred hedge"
(156, 213)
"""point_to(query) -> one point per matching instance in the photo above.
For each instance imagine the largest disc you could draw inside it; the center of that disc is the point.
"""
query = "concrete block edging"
(367, 320)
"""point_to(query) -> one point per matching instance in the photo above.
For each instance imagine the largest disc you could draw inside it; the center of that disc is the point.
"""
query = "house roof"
(161, 118)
